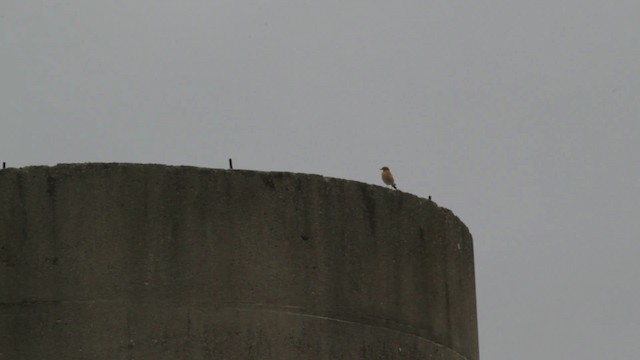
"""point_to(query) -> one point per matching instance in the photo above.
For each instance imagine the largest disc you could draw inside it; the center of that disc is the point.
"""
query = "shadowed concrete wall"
(115, 261)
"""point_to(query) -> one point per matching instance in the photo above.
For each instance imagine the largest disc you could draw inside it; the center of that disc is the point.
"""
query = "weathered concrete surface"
(114, 261)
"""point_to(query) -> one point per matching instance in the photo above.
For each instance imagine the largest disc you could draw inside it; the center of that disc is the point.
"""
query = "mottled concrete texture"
(121, 261)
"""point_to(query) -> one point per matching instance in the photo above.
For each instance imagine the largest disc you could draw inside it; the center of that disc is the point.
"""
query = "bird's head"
(384, 168)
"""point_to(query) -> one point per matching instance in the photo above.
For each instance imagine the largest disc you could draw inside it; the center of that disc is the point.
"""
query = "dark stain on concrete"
(51, 186)
(268, 182)
(370, 206)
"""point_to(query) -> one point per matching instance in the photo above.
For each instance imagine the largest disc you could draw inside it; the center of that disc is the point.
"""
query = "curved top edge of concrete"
(61, 166)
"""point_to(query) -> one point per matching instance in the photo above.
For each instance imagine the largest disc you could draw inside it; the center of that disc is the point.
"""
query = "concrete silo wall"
(114, 261)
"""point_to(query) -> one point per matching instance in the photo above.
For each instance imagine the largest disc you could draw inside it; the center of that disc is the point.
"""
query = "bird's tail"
(394, 186)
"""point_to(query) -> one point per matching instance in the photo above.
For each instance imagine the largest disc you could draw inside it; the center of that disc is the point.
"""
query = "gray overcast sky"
(521, 117)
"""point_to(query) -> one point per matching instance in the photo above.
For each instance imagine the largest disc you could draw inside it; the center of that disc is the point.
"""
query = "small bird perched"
(387, 178)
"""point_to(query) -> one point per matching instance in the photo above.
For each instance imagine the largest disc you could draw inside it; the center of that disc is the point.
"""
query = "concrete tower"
(115, 261)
